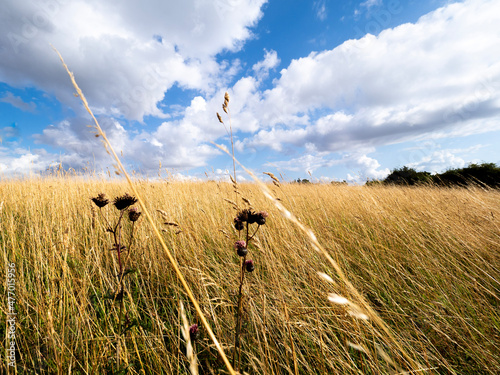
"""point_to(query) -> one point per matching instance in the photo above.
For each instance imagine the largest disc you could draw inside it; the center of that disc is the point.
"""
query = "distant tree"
(374, 183)
(303, 181)
(484, 174)
(339, 182)
(407, 176)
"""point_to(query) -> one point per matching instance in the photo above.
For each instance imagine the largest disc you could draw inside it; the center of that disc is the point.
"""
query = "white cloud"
(303, 164)
(438, 160)
(17, 102)
(368, 168)
(111, 46)
(270, 61)
(320, 9)
(438, 77)
(125, 56)
(370, 3)
(21, 162)
(362, 166)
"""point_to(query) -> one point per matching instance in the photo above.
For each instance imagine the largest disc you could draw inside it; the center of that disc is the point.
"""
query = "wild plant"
(121, 246)
(243, 221)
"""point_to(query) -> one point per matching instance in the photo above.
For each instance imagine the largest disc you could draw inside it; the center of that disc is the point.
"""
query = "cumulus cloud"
(359, 163)
(433, 79)
(21, 162)
(270, 61)
(415, 80)
(365, 167)
(125, 55)
(438, 160)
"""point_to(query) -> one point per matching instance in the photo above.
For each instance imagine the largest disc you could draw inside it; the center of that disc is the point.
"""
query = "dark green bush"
(487, 174)
(408, 176)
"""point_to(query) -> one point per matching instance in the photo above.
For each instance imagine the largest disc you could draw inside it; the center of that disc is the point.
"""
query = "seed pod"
(249, 265)
(238, 224)
(261, 217)
(134, 214)
(242, 252)
(194, 332)
(241, 248)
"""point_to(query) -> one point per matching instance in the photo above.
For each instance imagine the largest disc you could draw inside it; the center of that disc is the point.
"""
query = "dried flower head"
(253, 218)
(194, 332)
(100, 201)
(124, 201)
(249, 265)
(226, 97)
(134, 214)
(241, 248)
(244, 215)
(238, 224)
(261, 217)
(220, 118)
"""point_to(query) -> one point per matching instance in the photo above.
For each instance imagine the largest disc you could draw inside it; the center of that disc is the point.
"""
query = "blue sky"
(325, 90)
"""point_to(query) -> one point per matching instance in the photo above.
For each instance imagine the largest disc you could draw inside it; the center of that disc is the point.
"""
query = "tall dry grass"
(427, 260)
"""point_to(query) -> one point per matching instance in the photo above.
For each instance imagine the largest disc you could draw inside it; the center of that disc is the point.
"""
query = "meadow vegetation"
(343, 279)
(426, 259)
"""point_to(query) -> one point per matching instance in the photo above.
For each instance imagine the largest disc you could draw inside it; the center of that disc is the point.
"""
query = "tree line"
(484, 174)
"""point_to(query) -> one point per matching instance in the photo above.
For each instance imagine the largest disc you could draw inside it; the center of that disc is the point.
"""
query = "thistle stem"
(240, 303)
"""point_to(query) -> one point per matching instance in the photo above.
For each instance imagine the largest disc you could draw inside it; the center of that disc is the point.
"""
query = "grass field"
(427, 260)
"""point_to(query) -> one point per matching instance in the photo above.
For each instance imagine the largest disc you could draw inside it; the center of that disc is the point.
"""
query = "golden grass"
(426, 259)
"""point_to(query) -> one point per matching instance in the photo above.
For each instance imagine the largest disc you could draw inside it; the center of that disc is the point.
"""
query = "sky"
(325, 90)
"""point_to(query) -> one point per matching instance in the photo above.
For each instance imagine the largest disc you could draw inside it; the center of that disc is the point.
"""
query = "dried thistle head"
(125, 201)
(249, 265)
(261, 217)
(194, 332)
(244, 215)
(238, 224)
(134, 214)
(101, 200)
(241, 248)
(253, 217)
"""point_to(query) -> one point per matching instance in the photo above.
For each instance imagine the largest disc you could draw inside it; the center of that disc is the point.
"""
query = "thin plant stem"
(167, 251)
(232, 150)
(240, 300)
(372, 314)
